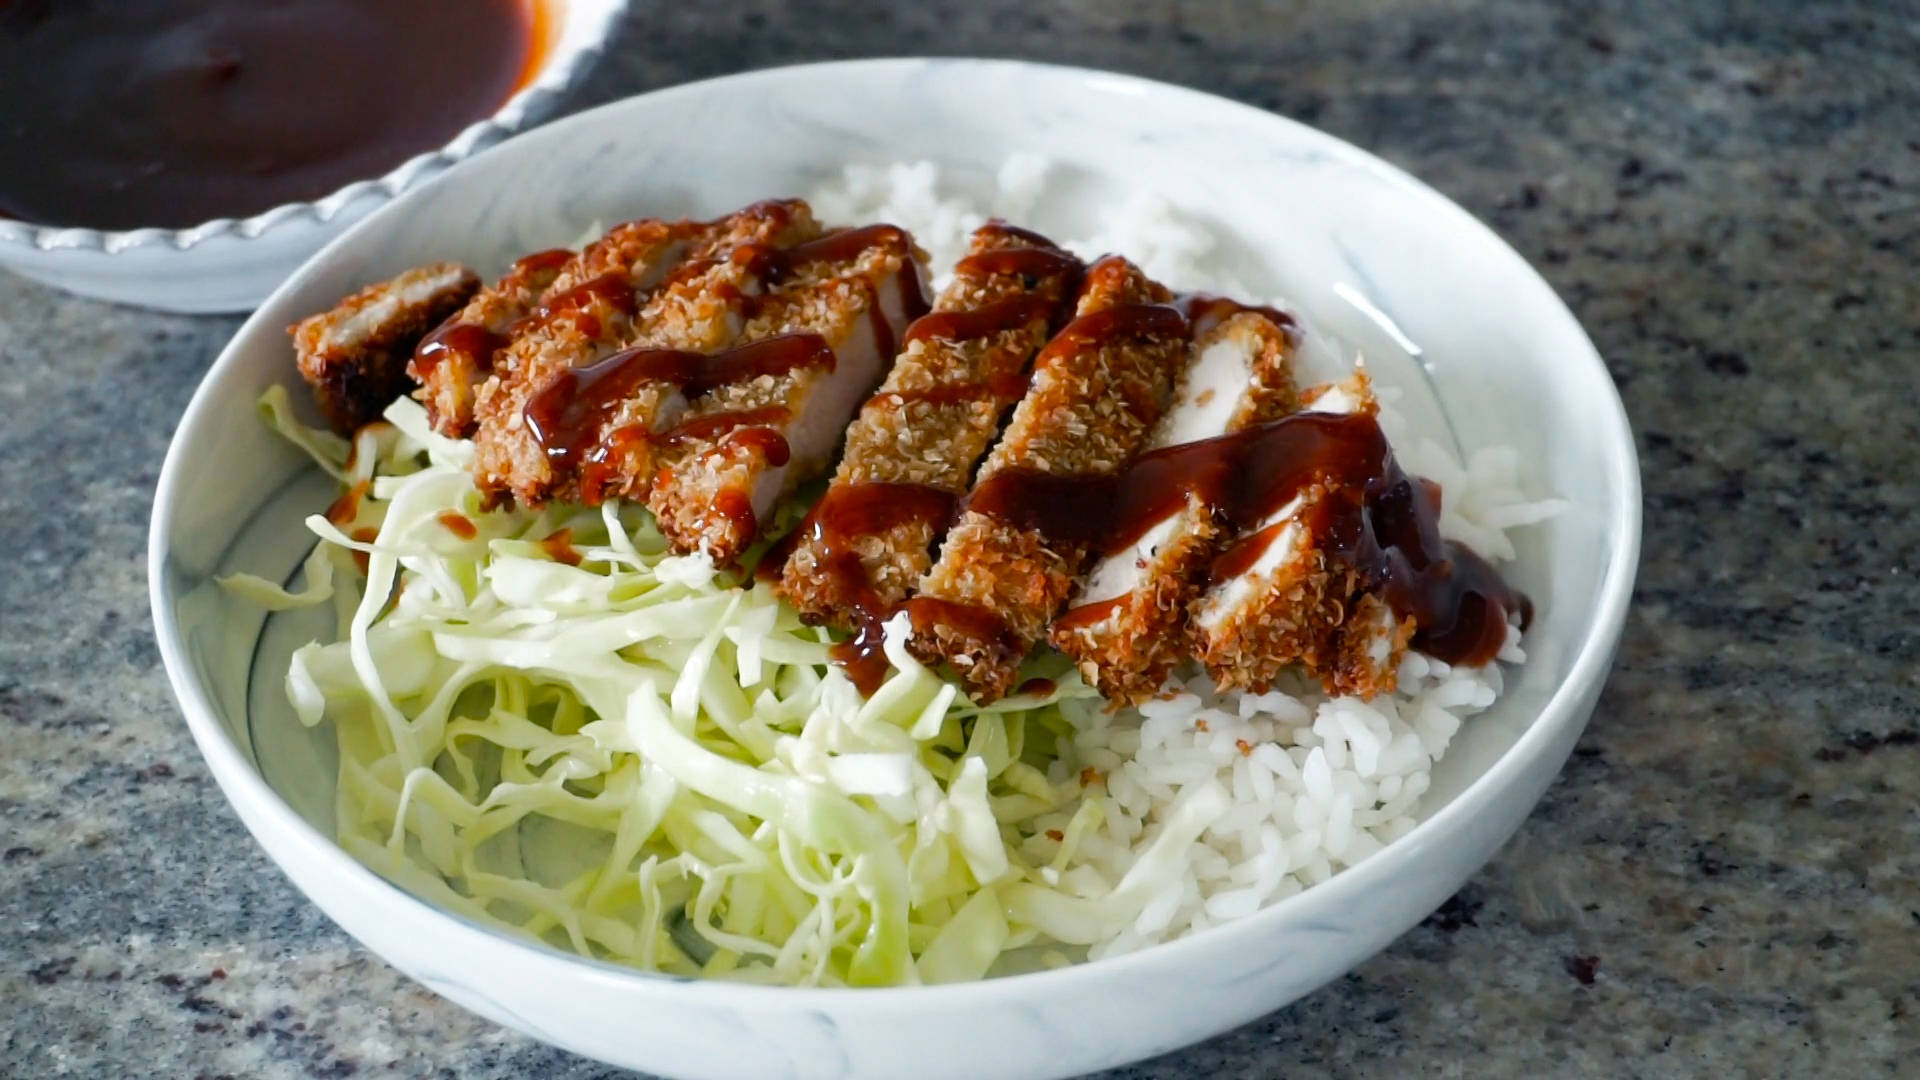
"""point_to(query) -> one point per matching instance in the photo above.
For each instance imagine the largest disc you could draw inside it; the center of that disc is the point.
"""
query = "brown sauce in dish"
(1380, 523)
(170, 113)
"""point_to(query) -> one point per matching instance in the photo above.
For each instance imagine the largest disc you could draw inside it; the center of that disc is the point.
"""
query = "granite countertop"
(1725, 880)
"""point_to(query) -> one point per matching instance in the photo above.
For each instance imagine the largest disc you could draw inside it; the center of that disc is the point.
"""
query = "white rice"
(1314, 784)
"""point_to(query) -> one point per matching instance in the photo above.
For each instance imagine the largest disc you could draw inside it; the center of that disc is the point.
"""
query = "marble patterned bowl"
(1357, 244)
(231, 264)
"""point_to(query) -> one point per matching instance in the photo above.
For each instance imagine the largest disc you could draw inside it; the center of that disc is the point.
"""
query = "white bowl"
(232, 264)
(1316, 218)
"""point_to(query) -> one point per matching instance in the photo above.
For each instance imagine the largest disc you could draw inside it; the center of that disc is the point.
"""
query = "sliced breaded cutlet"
(450, 363)
(1126, 627)
(1283, 595)
(560, 402)
(912, 450)
(767, 414)
(355, 354)
(1007, 565)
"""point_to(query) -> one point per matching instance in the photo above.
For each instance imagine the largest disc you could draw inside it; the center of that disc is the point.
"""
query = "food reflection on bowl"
(1308, 217)
(234, 139)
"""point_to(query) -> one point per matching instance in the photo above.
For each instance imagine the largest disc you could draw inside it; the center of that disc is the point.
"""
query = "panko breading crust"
(1090, 408)
(355, 354)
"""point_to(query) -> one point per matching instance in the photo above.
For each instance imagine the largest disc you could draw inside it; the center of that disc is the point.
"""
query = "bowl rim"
(553, 78)
(251, 795)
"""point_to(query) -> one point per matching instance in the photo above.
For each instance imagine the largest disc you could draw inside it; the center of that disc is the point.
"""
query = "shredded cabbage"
(651, 761)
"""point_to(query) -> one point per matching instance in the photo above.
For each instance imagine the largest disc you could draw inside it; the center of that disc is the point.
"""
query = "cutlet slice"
(766, 415)
(1009, 563)
(912, 450)
(1126, 628)
(1281, 595)
(355, 355)
(451, 362)
(549, 414)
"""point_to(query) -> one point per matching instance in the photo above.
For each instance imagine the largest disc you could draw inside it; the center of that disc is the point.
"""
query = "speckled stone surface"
(1724, 882)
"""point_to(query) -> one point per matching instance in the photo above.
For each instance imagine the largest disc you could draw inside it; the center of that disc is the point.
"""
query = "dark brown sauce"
(1020, 309)
(1007, 229)
(1239, 558)
(1029, 263)
(170, 113)
(1204, 311)
(1003, 386)
(458, 524)
(566, 415)
(1088, 614)
(465, 338)
(718, 424)
(347, 506)
(559, 547)
(841, 245)
(542, 261)
(971, 620)
(612, 289)
(1120, 321)
(773, 265)
(771, 444)
(365, 534)
(1037, 687)
(835, 524)
(1379, 522)
(736, 508)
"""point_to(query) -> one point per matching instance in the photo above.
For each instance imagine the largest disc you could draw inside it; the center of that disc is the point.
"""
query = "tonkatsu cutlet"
(912, 450)
(1126, 628)
(768, 414)
(1098, 389)
(1283, 595)
(562, 417)
(355, 354)
(450, 363)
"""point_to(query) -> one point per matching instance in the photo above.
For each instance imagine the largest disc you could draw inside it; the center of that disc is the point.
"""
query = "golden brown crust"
(355, 354)
(707, 490)
(930, 423)
(1309, 610)
(1089, 409)
(687, 294)
(1126, 646)
(459, 362)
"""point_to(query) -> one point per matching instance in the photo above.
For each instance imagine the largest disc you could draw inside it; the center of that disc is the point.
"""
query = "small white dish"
(232, 264)
(1312, 218)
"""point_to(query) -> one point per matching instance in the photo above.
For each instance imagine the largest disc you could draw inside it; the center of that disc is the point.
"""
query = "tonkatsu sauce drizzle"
(566, 415)
(1379, 523)
(851, 511)
(464, 338)
(835, 525)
